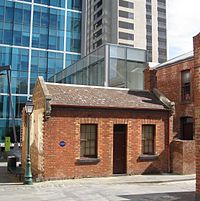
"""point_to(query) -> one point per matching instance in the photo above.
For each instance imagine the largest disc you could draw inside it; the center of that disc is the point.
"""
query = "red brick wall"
(39, 104)
(64, 124)
(183, 157)
(196, 42)
(168, 81)
(150, 79)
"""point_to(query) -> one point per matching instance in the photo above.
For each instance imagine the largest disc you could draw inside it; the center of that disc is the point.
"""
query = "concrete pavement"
(119, 188)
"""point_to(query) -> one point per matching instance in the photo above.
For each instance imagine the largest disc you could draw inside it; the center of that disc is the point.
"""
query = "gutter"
(107, 107)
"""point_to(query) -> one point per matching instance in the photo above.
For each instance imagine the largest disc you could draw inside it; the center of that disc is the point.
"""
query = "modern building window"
(74, 4)
(126, 36)
(161, 12)
(97, 24)
(148, 9)
(126, 25)
(97, 34)
(97, 5)
(97, 44)
(125, 14)
(187, 128)
(88, 140)
(185, 82)
(126, 4)
(148, 139)
(162, 2)
(98, 14)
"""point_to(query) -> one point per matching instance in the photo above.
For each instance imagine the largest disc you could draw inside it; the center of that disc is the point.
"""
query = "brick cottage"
(85, 131)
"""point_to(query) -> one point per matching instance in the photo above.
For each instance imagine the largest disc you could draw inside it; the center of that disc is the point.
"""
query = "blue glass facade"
(37, 37)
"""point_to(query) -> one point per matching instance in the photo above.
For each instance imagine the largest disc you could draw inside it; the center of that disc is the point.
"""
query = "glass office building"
(109, 65)
(37, 37)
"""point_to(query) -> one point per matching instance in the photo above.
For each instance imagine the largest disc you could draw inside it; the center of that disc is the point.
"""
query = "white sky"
(183, 22)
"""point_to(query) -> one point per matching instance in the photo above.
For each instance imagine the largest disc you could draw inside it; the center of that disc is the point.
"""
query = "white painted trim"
(30, 45)
(46, 6)
(65, 35)
(75, 11)
(5, 94)
(106, 57)
(39, 49)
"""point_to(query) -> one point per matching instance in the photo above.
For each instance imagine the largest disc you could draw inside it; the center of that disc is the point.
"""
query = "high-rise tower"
(137, 23)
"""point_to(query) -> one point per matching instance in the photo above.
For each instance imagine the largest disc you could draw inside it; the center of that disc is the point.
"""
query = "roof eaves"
(178, 59)
(47, 96)
(108, 107)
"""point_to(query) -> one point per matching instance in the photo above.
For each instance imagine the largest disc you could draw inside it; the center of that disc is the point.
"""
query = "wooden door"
(119, 149)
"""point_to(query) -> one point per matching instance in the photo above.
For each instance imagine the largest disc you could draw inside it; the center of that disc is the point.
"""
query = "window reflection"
(73, 32)
(74, 4)
(48, 28)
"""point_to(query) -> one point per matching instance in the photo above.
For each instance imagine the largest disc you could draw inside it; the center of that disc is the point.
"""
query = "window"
(97, 34)
(88, 140)
(148, 135)
(126, 36)
(185, 82)
(126, 4)
(126, 25)
(97, 24)
(126, 14)
(97, 5)
(97, 44)
(98, 14)
(187, 128)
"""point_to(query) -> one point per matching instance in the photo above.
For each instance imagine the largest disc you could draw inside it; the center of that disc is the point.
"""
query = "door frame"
(124, 161)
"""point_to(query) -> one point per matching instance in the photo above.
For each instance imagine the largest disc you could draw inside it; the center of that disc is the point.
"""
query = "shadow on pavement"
(179, 196)
(5, 176)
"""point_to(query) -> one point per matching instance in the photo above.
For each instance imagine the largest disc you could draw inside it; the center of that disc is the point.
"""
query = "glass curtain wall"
(126, 66)
(37, 38)
(109, 65)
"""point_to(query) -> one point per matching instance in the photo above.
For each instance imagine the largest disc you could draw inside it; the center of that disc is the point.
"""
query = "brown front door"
(119, 149)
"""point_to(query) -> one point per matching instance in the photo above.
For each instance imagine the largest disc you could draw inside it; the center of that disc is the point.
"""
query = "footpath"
(166, 187)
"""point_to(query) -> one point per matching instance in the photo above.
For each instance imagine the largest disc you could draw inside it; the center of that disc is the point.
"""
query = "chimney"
(150, 79)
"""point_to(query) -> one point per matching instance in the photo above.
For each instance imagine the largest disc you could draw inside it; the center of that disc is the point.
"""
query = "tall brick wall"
(183, 157)
(196, 43)
(64, 125)
(150, 79)
(36, 132)
(168, 80)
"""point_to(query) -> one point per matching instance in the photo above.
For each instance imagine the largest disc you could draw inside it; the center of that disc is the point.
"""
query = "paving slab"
(166, 187)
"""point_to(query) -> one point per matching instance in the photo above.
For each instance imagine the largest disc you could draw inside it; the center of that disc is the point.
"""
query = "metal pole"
(11, 105)
(28, 174)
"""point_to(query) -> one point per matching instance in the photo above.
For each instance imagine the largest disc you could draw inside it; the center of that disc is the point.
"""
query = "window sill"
(83, 161)
(184, 102)
(148, 157)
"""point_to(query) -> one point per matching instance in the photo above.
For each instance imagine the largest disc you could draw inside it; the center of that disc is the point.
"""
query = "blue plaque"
(62, 143)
